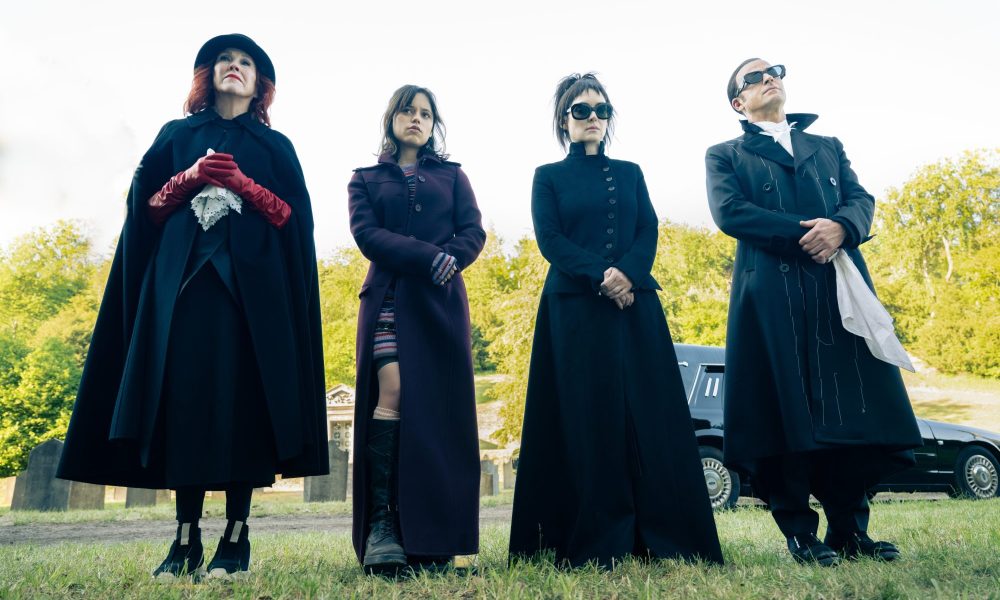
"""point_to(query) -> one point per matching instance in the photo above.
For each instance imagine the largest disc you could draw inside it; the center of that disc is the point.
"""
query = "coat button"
(783, 268)
(611, 188)
(417, 207)
(609, 246)
(611, 215)
(412, 237)
(833, 181)
(611, 230)
(767, 187)
(606, 169)
(608, 178)
(609, 258)
(421, 178)
(612, 201)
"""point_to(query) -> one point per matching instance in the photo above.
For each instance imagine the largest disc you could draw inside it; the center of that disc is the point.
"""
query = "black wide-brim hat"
(211, 49)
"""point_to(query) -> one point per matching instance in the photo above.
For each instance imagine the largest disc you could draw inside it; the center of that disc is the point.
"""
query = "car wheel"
(723, 484)
(977, 474)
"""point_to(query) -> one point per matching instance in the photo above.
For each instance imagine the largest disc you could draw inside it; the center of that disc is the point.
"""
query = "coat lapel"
(805, 145)
(765, 146)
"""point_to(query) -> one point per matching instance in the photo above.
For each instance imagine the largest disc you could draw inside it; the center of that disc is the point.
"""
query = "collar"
(390, 158)
(801, 120)
(246, 120)
(579, 149)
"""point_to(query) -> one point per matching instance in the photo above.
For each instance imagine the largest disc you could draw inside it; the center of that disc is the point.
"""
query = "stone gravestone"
(85, 496)
(508, 474)
(324, 488)
(37, 487)
(489, 478)
(163, 496)
(140, 497)
(6, 490)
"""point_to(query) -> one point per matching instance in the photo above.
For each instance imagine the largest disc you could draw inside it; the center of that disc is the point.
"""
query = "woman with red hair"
(205, 371)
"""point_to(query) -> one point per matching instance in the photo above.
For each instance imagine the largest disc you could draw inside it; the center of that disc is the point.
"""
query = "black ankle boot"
(186, 556)
(232, 557)
(383, 550)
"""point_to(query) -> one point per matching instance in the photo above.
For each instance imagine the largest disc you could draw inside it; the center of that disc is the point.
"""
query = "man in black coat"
(808, 408)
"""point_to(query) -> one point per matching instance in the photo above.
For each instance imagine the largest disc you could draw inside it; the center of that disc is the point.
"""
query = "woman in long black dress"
(608, 466)
(205, 371)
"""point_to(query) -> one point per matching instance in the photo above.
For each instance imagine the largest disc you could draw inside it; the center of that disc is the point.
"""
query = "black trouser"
(787, 480)
(190, 501)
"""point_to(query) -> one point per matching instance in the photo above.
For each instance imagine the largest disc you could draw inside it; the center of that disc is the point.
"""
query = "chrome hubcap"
(720, 484)
(981, 476)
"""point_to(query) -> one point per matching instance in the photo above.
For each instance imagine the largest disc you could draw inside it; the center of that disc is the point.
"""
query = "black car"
(962, 461)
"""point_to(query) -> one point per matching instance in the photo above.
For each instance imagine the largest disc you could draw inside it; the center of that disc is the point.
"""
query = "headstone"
(163, 497)
(332, 487)
(136, 497)
(37, 487)
(489, 478)
(85, 496)
(119, 494)
(508, 475)
(7, 490)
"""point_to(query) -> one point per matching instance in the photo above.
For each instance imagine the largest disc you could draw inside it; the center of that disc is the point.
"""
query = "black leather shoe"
(806, 548)
(858, 544)
(185, 558)
(232, 557)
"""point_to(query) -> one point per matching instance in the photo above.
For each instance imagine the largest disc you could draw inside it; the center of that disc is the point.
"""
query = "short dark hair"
(569, 89)
(733, 89)
(402, 98)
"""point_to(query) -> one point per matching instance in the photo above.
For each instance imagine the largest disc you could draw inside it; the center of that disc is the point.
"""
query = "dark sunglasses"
(582, 111)
(776, 71)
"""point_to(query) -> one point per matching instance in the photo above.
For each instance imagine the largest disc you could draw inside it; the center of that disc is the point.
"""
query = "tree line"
(934, 260)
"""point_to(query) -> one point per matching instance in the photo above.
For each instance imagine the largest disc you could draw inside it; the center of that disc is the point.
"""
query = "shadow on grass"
(943, 409)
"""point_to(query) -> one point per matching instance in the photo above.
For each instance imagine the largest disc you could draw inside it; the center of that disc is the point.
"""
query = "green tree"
(935, 259)
(340, 279)
(487, 278)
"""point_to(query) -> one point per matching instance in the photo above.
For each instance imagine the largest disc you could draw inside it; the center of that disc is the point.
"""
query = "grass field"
(950, 546)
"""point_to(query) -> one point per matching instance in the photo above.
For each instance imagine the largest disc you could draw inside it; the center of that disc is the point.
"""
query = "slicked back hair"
(732, 90)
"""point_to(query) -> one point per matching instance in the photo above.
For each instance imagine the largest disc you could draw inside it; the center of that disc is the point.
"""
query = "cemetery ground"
(951, 550)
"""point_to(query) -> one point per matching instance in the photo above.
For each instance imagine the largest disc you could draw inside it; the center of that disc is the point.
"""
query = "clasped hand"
(618, 287)
(822, 240)
(220, 169)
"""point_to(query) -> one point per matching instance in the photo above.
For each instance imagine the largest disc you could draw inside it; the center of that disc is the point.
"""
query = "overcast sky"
(87, 85)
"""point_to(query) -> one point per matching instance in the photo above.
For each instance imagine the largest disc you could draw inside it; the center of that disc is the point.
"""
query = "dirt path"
(41, 534)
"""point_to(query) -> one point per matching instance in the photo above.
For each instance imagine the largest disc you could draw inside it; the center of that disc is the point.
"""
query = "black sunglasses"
(776, 71)
(581, 111)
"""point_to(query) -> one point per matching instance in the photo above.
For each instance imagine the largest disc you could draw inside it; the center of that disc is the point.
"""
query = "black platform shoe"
(232, 557)
(858, 544)
(185, 558)
(384, 553)
(807, 549)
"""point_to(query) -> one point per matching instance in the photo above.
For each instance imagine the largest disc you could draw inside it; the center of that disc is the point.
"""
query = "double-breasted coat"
(796, 380)
(439, 467)
(609, 465)
(113, 434)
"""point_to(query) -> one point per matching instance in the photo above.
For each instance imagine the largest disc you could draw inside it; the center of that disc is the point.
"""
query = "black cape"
(111, 432)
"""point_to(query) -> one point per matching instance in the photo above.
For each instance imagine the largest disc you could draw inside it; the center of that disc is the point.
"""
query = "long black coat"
(608, 464)
(796, 380)
(439, 440)
(110, 435)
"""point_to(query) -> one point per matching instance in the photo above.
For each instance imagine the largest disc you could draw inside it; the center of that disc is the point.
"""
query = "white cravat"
(781, 132)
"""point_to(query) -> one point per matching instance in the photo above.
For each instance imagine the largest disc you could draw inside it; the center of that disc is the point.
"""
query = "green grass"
(950, 552)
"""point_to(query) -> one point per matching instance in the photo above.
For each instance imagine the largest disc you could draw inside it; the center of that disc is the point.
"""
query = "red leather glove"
(275, 210)
(207, 170)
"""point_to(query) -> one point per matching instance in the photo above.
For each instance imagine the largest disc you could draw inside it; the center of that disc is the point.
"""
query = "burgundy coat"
(439, 441)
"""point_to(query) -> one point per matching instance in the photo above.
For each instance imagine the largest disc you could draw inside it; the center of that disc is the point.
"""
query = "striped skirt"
(385, 331)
